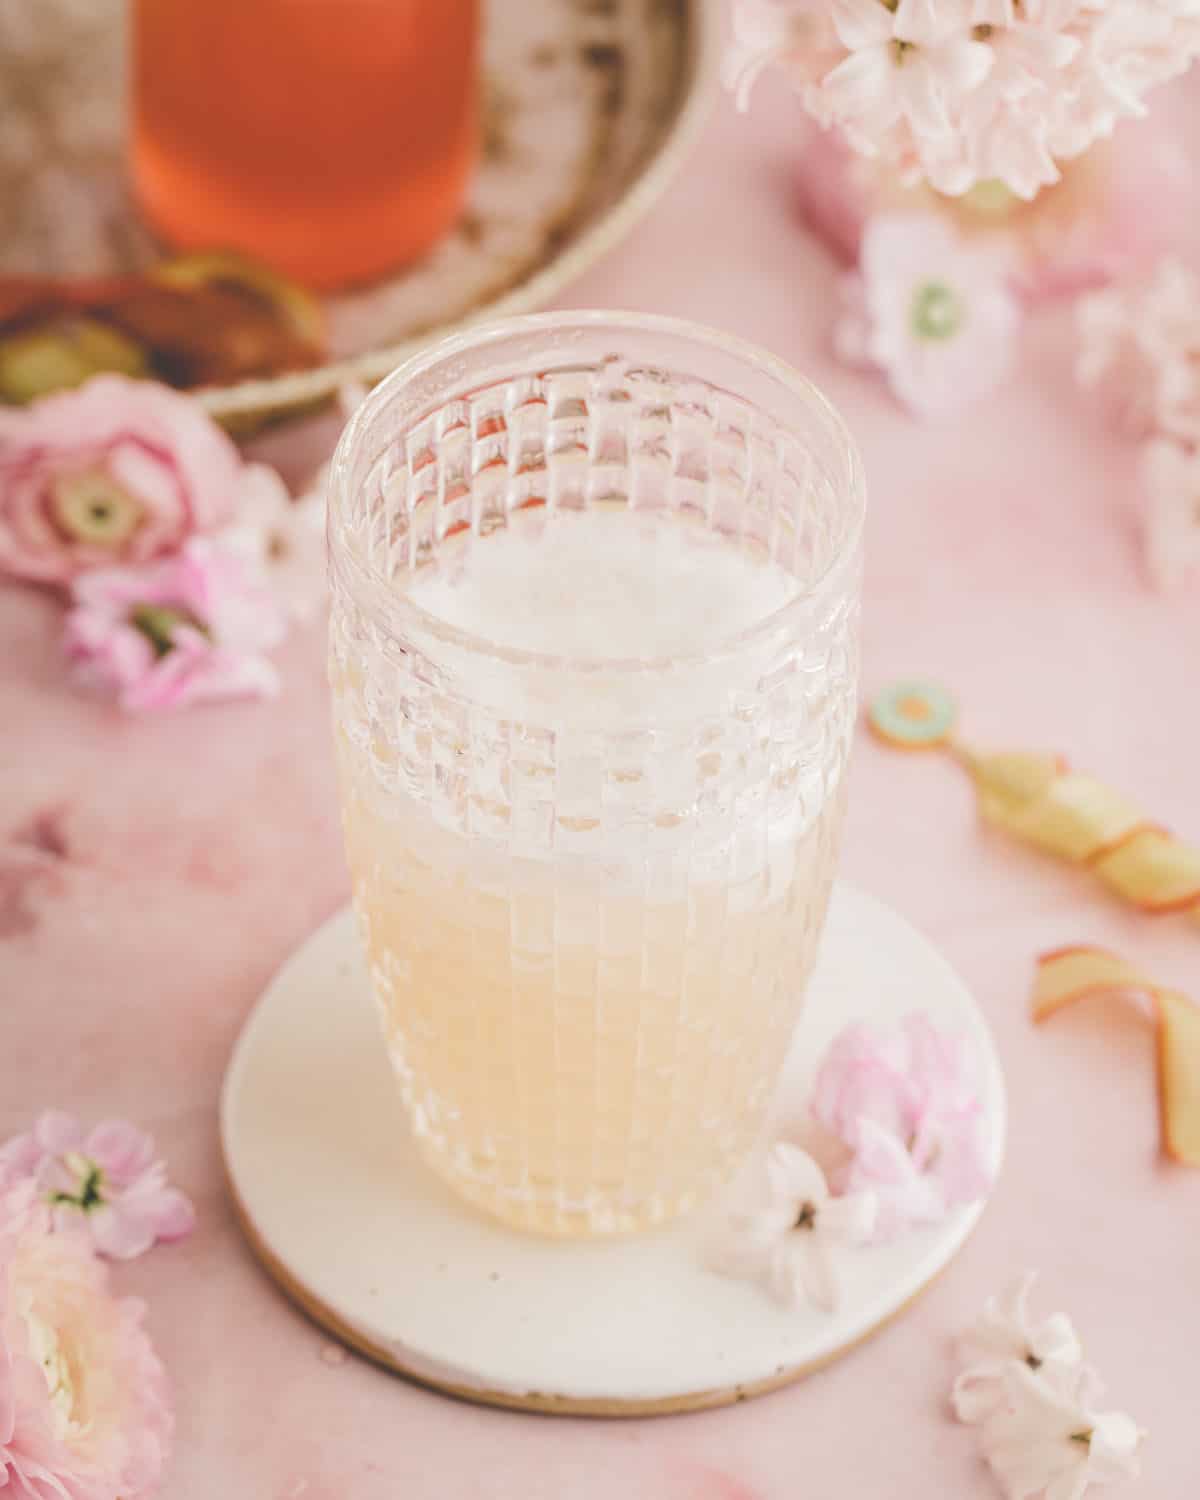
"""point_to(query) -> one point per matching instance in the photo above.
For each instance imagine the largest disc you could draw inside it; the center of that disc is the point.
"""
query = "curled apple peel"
(1070, 974)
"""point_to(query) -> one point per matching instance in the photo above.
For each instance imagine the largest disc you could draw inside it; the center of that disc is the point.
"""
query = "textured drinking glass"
(594, 656)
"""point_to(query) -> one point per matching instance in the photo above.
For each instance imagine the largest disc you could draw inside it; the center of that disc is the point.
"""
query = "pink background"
(153, 874)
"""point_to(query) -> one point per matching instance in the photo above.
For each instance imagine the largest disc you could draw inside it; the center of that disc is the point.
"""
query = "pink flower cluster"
(85, 1412)
(959, 92)
(904, 1111)
(905, 1105)
(183, 563)
(1140, 344)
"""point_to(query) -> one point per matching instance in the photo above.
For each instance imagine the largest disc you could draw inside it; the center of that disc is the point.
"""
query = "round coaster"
(349, 1221)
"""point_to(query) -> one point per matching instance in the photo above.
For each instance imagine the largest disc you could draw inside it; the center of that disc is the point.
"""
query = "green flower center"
(937, 311)
(158, 623)
(91, 1182)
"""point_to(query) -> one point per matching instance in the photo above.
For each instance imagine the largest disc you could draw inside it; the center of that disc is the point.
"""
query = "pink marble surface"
(153, 874)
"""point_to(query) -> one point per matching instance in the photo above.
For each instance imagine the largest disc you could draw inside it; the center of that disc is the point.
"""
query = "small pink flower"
(1004, 1333)
(1047, 1438)
(933, 311)
(117, 471)
(190, 628)
(790, 1240)
(84, 1407)
(906, 1104)
(106, 1179)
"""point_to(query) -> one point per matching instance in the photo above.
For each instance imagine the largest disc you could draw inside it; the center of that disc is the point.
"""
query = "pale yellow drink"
(590, 906)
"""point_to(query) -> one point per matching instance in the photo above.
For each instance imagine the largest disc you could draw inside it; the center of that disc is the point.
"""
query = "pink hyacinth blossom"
(1047, 1438)
(967, 93)
(790, 1239)
(906, 1105)
(1004, 1333)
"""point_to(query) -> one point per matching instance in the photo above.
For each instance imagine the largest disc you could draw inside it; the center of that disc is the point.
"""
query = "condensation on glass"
(591, 890)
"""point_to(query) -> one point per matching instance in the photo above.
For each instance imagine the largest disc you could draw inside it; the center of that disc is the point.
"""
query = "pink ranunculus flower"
(107, 1179)
(85, 1412)
(906, 1103)
(115, 472)
(190, 628)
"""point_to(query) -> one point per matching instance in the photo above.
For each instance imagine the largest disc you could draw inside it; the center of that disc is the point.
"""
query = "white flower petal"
(924, 98)
(1023, 1469)
(924, 21)
(1113, 1448)
(978, 1391)
(862, 89)
(786, 1273)
(817, 1270)
(1055, 1339)
(851, 1219)
(862, 23)
(794, 1176)
(963, 65)
(1068, 1486)
(992, 12)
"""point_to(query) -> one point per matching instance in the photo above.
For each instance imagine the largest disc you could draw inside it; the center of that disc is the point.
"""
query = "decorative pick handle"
(1041, 800)
(1072, 974)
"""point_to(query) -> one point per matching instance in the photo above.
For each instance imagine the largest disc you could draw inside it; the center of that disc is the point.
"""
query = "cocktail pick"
(1038, 798)
(1071, 974)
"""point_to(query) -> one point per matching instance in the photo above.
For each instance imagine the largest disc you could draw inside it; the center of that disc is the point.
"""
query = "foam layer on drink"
(710, 768)
(604, 585)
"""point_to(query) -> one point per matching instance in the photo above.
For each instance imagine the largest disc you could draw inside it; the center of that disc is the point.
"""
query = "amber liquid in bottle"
(332, 139)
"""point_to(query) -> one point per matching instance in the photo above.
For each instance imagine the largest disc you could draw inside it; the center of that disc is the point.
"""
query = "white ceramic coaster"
(350, 1222)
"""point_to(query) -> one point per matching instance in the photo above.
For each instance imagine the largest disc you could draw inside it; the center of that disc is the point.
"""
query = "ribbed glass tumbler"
(594, 656)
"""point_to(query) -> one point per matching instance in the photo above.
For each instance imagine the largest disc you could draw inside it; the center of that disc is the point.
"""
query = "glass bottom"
(540, 1207)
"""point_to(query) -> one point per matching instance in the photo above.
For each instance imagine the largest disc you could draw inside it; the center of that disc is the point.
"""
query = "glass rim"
(481, 336)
